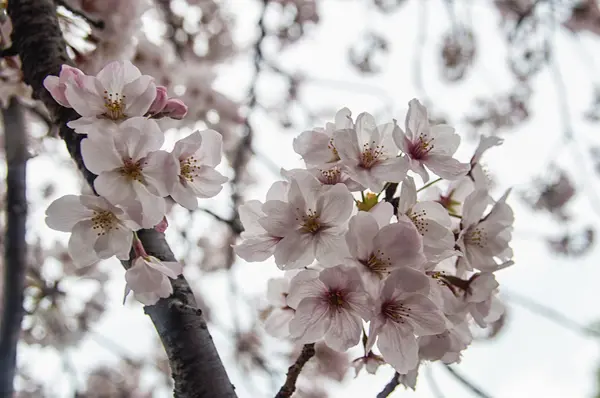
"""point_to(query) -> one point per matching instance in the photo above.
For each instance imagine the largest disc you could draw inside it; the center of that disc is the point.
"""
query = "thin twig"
(390, 387)
(15, 246)
(467, 383)
(94, 22)
(233, 224)
(288, 388)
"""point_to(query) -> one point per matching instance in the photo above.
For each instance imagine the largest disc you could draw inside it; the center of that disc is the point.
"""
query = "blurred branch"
(196, 367)
(549, 313)
(288, 388)
(467, 383)
(173, 24)
(233, 224)
(15, 246)
(390, 387)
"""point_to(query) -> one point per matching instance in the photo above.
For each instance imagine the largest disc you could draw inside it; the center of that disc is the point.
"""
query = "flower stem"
(429, 184)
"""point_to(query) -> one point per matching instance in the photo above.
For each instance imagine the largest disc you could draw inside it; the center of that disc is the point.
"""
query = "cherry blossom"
(330, 304)
(257, 244)
(197, 155)
(431, 146)
(316, 146)
(118, 92)
(98, 229)
(483, 239)
(277, 322)
(58, 85)
(480, 300)
(148, 278)
(371, 362)
(369, 153)
(403, 310)
(131, 171)
(311, 223)
(379, 251)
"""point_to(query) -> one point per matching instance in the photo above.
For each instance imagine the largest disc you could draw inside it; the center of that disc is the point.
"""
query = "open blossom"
(131, 171)
(148, 278)
(197, 156)
(98, 229)
(257, 243)
(379, 251)
(480, 300)
(403, 311)
(118, 92)
(369, 153)
(277, 323)
(58, 85)
(483, 239)
(431, 146)
(311, 223)
(317, 147)
(330, 304)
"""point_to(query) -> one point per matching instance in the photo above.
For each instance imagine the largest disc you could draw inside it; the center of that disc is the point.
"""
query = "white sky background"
(532, 357)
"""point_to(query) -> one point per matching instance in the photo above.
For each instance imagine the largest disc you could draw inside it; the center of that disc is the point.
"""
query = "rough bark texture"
(15, 246)
(196, 367)
(289, 387)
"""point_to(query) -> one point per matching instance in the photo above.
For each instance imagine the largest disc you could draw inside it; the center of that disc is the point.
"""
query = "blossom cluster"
(118, 108)
(418, 266)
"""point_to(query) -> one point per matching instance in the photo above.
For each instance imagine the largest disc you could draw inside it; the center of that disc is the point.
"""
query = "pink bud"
(175, 108)
(162, 226)
(57, 85)
(159, 101)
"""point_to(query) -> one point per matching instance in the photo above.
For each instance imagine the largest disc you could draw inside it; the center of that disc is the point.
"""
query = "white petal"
(446, 166)
(209, 153)
(311, 320)
(115, 187)
(425, 317)
(296, 250)
(139, 95)
(398, 347)
(65, 212)
(100, 155)
(344, 332)
(256, 249)
(335, 206)
(361, 231)
(278, 322)
(160, 169)
(81, 244)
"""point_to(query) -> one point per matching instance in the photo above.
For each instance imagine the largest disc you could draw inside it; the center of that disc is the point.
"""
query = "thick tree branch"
(15, 246)
(288, 388)
(390, 387)
(195, 364)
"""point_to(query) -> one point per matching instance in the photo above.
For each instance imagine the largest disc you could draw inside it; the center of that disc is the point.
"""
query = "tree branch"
(390, 387)
(288, 388)
(15, 246)
(470, 386)
(196, 367)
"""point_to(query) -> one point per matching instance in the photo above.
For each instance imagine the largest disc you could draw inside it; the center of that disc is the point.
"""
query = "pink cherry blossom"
(57, 85)
(98, 229)
(403, 311)
(131, 171)
(148, 278)
(118, 92)
(484, 239)
(371, 362)
(159, 101)
(317, 147)
(197, 155)
(330, 304)
(369, 153)
(447, 346)
(312, 223)
(379, 251)
(431, 146)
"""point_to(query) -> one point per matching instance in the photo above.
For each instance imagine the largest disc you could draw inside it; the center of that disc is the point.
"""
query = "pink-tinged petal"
(335, 205)
(383, 213)
(139, 95)
(401, 243)
(343, 119)
(390, 170)
(51, 83)
(344, 332)
(408, 195)
(405, 280)
(257, 248)
(278, 191)
(150, 298)
(446, 166)
(206, 183)
(120, 242)
(153, 207)
(425, 317)
(295, 250)
(143, 279)
(366, 127)
(279, 219)
(115, 187)
(112, 76)
(186, 147)
(398, 347)
(485, 143)
(160, 172)
(314, 147)
(311, 321)
(375, 327)
(100, 155)
(250, 212)
(140, 135)
(184, 196)
(362, 229)
(175, 109)
(305, 283)
(278, 322)
(210, 151)
(296, 199)
(65, 212)
(401, 140)
(435, 212)
(473, 208)
(446, 141)
(81, 244)
(96, 128)
(417, 121)
(346, 143)
(330, 249)
(160, 100)
(172, 269)
(85, 98)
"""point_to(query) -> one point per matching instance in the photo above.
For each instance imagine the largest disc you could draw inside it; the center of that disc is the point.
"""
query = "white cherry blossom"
(148, 278)
(278, 320)
(98, 229)
(257, 244)
(131, 171)
(431, 146)
(369, 153)
(330, 304)
(197, 156)
(480, 301)
(401, 312)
